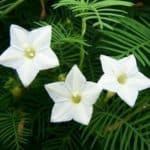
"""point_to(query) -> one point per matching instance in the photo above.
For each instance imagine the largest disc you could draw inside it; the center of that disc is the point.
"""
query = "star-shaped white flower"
(123, 77)
(29, 52)
(74, 98)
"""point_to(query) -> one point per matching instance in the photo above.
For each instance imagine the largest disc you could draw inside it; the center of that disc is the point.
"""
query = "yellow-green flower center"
(29, 52)
(122, 78)
(76, 99)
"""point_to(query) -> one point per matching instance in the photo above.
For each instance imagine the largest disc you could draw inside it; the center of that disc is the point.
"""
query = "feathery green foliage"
(81, 31)
(98, 11)
(13, 130)
(7, 6)
(134, 38)
(119, 126)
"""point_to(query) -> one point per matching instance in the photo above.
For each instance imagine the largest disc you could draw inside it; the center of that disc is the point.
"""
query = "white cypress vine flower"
(74, 98)
(29, 52)
(123, 77)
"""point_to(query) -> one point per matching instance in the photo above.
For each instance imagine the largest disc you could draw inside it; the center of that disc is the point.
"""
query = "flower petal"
(108, 82)
(128, 65)
(90, 93)
(19, 37)
(128, 95)
(41, 37)
(57, 91)
(83, 114)
(109, 65)
(61, 112)
(27, 72)
(139, 82)
(46, 59)
(75, 80)
(11, 58)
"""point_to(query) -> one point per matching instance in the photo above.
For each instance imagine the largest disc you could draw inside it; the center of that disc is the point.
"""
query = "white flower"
(74, 98)
(29, 52)
(123, 77)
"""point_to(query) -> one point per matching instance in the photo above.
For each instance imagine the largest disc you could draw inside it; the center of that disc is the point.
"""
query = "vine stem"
(9, 9)
(117, 124)
(108, 96)
(82, 51)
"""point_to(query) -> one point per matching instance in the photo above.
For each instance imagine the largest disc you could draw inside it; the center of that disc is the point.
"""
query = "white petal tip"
(130, 102)
(131, 105)
(46, 86)
(107, 60)
(25, 84)
(15, 27)
(75, 67)
(48, 28)
(103, 57)
(12, 26)
(56, 120)
(132, 56)
(85, 123)
(53, 120)
(57, 63)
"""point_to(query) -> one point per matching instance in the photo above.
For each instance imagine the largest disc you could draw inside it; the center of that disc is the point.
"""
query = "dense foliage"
(82, 30)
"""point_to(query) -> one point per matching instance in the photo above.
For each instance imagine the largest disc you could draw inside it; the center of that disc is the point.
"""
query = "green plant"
(81, 31)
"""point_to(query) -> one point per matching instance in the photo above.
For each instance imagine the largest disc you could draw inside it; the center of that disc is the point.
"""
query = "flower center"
(122, 78)
(29, 52)
(76, 99)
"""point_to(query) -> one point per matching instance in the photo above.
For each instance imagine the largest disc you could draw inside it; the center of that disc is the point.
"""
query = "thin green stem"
(83, 27)
(15, 133)
(108, 96)
(117, 124)
(82, 56)
(9, 9)
(82, 51)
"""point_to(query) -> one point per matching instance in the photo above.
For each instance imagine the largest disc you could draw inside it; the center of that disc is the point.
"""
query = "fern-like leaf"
(120, 127)
(6, 6)
(132, 37)
(13, 131)
(101, 12)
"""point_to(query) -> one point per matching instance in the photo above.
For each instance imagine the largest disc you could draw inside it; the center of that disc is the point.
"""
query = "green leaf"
(13, 131)
(131, 37)
(96, 10)
(119, 126)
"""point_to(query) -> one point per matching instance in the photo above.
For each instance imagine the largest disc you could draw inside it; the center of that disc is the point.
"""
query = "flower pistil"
(122, 78)
(76, 99)
(29, 52)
